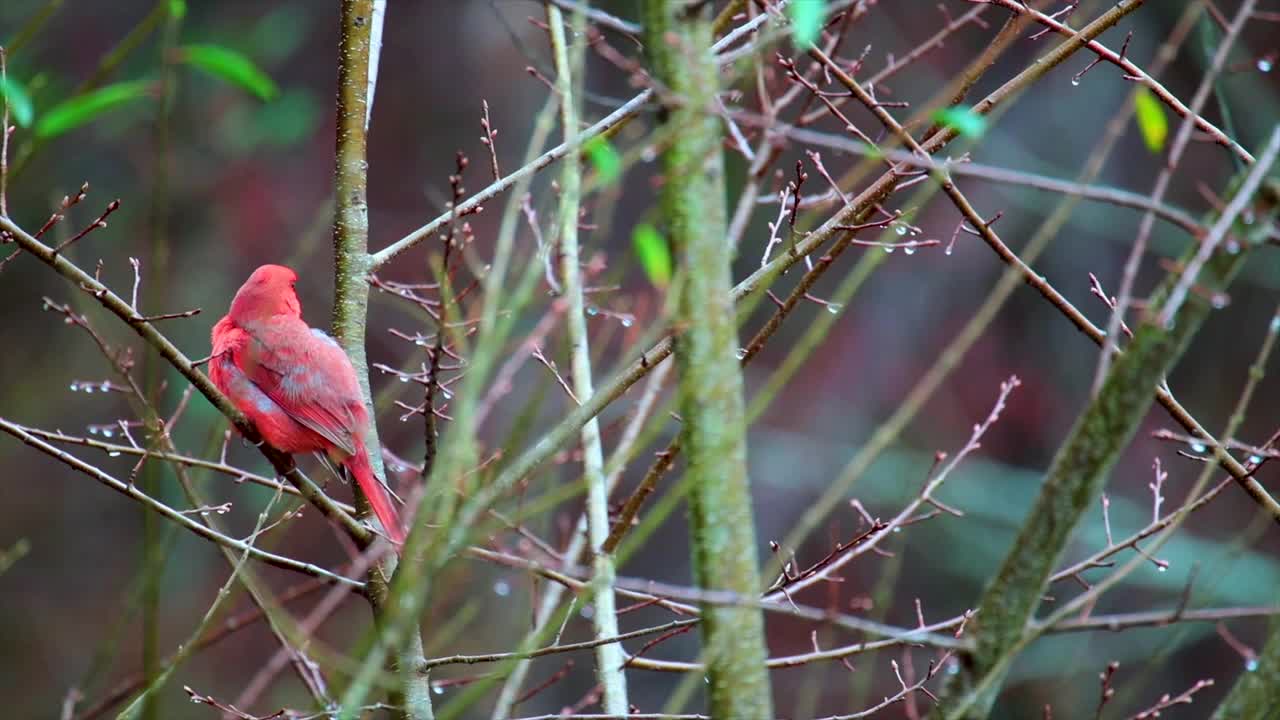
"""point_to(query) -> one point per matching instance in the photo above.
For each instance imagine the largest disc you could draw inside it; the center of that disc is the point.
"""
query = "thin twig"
(609, 656)
(130, 490)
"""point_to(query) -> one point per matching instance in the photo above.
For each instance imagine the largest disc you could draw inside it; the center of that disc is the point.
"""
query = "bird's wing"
(308, 375)
(228, 342)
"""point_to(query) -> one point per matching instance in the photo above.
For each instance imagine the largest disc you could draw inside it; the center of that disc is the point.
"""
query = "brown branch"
(1132, 72)
(1158, 618)
(282, 462)
(131, 491)
(1166, 399)
(553, 649)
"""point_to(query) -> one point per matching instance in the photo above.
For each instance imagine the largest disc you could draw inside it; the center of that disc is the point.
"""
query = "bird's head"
(268, 292)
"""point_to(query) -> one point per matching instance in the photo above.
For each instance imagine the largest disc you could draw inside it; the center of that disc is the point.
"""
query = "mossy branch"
(678, 41)
(570, 68)
(1255, 693)
(1085, 459)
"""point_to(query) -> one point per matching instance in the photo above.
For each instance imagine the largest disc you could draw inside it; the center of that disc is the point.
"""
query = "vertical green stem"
(678, 40)
(550, 598)
(351, 298)
(609, 657)
(153, 532)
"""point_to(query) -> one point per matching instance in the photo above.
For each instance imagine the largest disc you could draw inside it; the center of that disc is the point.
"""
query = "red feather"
(295, 383)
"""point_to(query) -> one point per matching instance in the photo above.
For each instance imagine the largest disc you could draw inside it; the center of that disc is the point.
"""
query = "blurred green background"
(231, 181)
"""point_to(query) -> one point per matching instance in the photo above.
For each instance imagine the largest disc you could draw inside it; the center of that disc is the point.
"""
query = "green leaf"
(288, 120)
(15, 553)
(963, 120)
(279, 34)
(231, 66)
(807, 19)
(655, 256)
(77, 111)
(16, 98)
(604, 158)
(177, 9)
(1152, 121)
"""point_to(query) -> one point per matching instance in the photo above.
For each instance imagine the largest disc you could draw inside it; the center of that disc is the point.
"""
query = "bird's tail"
(376, 493)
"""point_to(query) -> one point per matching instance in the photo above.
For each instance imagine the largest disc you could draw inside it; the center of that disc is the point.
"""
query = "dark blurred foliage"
(249, 182)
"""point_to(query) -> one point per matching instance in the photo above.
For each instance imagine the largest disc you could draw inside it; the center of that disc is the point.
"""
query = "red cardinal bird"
(295, 383)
